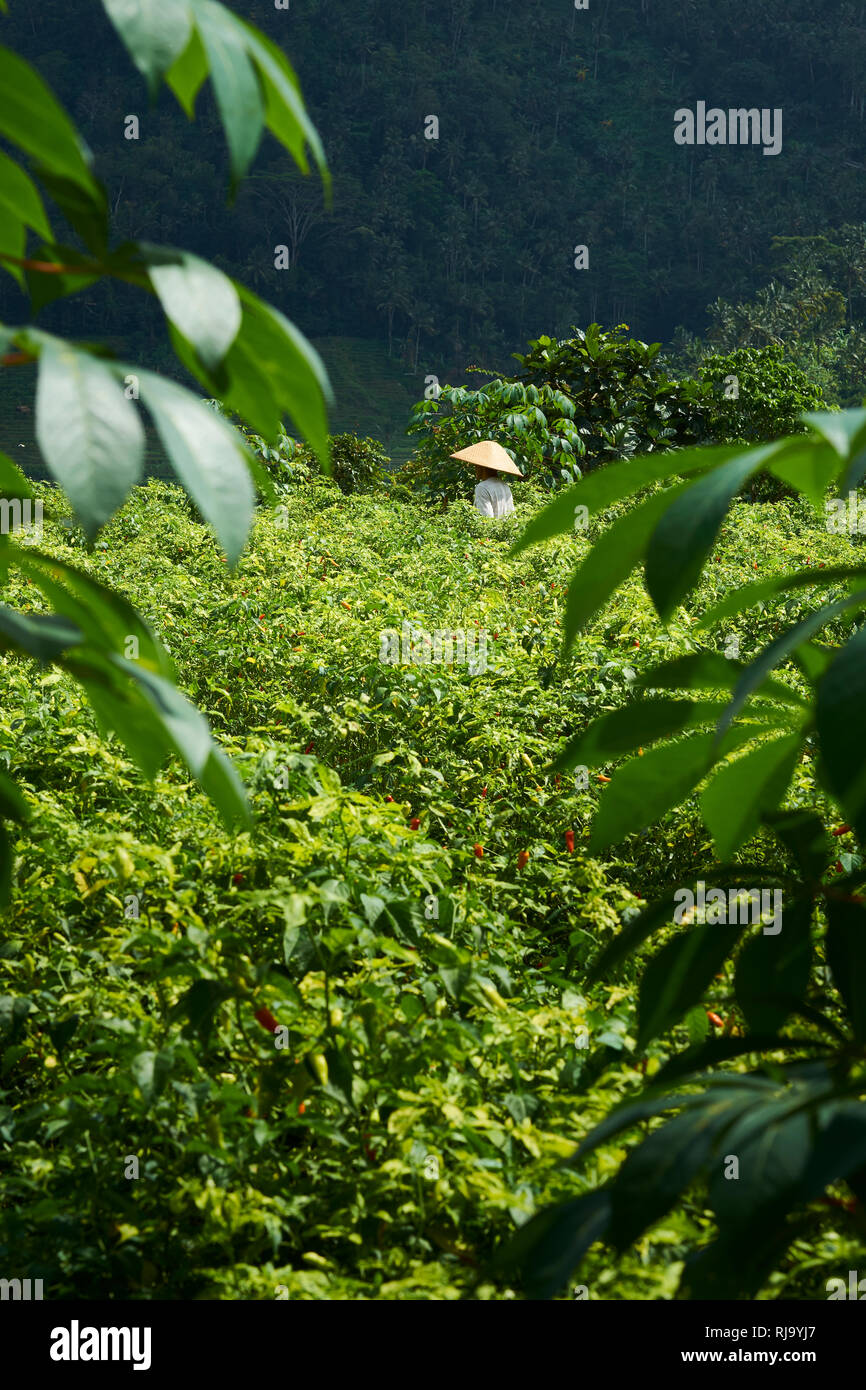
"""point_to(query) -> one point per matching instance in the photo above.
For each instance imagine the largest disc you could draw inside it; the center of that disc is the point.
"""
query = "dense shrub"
(579, 402)
(436, 1069)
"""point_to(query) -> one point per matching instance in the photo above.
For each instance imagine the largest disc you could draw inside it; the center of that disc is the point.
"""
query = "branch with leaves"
(244, 352)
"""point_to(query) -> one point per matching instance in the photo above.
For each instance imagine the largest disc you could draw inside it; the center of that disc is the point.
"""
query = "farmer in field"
(492, 493)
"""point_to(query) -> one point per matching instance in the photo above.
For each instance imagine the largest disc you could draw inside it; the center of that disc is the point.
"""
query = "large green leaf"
(187, 73)
(44, 636)
(805, 838)
(32, 118)
(198, 299)
(771, 1143)
(656, 914)
(657, 1172)
(270, 372)
(220, 782)
(703, 1056)
(285, 112)
(208, 456)
(120, 708)
(845, 430)
(772, 973)
(838, 1150)
(846, 957)
(646, 787)
(90, 435)
(740, 792)
(155, 33)
(642, 722)
(709, 671)
(809, 467)
(106, 618)
(685, 534)
(839, 721)
(741, 599)
(299, 383)
(678, 976)
(626, 1116)
(235, 81)
(782, 647)
(611, 560)
(737, 1264)
(20, 197)
(549, 1247)
(12, 481)
(13, 240)
(190, 735)
(12, 803)
(611, 484)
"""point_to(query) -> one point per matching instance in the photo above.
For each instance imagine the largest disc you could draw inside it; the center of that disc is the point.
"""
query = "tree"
(579, 402)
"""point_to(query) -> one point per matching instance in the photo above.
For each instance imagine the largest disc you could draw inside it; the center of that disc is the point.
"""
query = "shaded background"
(555, 128)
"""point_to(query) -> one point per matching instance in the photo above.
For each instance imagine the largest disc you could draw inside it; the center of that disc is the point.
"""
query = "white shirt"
(493, 498)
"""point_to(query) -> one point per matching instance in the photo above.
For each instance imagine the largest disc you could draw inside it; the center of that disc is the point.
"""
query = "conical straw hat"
(489, 454)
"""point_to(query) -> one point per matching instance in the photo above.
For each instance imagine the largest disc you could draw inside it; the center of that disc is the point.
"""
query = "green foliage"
(87, 418)
(809, 316)
(533, 425)
(794, 1126)
(758, 395)
(356, 464)
(624, 404)
(581, 401)
(475, 1039)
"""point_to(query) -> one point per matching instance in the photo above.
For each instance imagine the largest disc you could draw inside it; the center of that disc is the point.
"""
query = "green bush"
(579, 402)
(309, 1170)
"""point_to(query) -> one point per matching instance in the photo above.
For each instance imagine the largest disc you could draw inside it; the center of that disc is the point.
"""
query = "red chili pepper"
(841, 830)
(302, 1107)
(309, 747)
(479, 852)
(237, 878)
(414, 823)
(569, 841)
(483, 791)
(523, 859)
(715, 1020)
(389, 798)
(601, 778)
(266, 1019)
